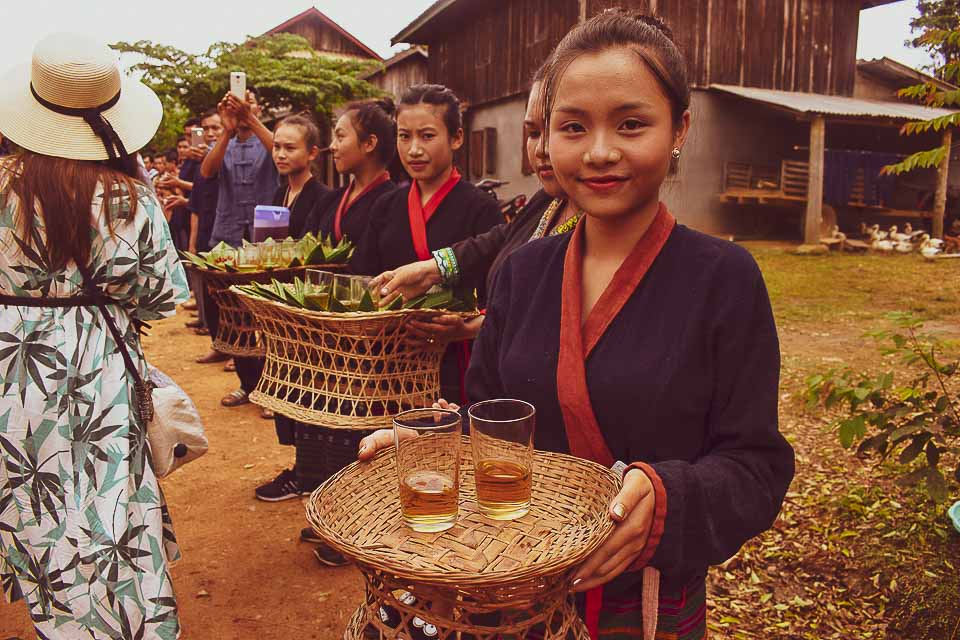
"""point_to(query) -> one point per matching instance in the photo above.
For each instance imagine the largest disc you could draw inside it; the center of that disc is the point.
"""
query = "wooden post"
(583, 10)
(814, 212)
(943, 177)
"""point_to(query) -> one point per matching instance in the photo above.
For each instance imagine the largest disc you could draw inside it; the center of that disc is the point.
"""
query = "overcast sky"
(193, 24)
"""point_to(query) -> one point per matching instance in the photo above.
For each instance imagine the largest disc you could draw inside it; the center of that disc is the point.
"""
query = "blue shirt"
(247, 178)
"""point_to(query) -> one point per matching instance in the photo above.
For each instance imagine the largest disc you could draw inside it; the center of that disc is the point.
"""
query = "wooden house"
(405, 69)
(325, 36)
(882, 78)
(774, 95)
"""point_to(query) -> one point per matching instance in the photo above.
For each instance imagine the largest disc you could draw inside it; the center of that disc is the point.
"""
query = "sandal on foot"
(230, 367)
(266, 414)
(235, 398)
(212, 356)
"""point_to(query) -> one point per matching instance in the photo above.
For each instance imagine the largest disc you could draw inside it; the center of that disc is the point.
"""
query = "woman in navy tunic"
(437, 210)
(364, 144)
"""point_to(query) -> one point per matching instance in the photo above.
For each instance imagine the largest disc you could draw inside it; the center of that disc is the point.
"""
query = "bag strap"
(46, 302)
(100, 300)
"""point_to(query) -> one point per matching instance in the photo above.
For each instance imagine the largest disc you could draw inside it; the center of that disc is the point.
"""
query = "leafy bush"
(889, 418)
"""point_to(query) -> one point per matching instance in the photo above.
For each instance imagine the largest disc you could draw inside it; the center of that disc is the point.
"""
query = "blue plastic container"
(270, 222)
(954, 513)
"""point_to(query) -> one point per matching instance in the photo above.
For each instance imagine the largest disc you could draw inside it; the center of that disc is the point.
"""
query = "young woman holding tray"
(364, 144)
(547, 213)
(437, 210)
(639, 340)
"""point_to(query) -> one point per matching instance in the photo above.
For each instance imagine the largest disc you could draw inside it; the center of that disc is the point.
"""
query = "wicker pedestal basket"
(481, 580)
(237, 329)
(342, 370)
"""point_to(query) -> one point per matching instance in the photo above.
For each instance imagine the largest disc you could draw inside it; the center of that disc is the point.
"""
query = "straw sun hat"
(73, 102)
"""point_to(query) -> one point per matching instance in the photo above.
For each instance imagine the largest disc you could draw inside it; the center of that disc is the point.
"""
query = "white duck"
(903, 246)
(933, 242)
(876, 234)
(881, 244)
(928, 248)
(897, 236)
(915, 235)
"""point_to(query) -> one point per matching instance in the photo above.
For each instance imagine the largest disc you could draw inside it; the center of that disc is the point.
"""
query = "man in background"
(242, 160)
(202, 207)
(148, 165)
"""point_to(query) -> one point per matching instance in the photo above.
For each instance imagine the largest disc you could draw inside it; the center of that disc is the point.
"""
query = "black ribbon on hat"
(93, 117)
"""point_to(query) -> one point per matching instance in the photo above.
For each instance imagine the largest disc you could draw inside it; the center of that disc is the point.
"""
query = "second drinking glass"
(501, 437)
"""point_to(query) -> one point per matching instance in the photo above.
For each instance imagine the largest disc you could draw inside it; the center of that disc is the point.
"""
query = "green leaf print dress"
(85, 536)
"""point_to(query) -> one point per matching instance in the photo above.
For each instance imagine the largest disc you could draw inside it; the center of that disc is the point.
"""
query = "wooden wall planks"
(792, 45)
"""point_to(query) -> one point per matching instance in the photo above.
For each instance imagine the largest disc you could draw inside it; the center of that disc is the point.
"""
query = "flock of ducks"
(893, 240)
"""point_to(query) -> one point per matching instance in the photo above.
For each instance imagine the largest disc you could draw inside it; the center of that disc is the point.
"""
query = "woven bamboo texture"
(237, 332)
(358, 625)
(343, 370)
(486, 578)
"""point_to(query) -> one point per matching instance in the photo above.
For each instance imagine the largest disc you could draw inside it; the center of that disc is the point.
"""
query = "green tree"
(937, 15)
(932, 95)
(288, 73)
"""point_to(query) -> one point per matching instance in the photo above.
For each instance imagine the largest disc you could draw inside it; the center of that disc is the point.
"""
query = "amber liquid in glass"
(503, 488)
(429, 501)
(318, 300)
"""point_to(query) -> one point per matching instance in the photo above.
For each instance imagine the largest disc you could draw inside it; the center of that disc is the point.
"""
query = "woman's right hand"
(383, 438)
(410, 281)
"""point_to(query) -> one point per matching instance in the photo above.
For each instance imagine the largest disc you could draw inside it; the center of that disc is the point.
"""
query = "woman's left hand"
(449, 327)
(632, 510)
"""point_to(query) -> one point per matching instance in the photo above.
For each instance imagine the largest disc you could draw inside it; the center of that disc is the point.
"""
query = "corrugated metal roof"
(839, 106)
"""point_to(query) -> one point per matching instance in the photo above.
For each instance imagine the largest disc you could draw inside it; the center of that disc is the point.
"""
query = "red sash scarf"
(577, 340)
(420, 215)
(343, 207)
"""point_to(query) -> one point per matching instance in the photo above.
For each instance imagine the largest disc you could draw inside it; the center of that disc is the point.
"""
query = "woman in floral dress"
(85, 536)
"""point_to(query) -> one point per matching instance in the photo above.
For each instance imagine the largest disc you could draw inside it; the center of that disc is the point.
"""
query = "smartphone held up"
(238, 85)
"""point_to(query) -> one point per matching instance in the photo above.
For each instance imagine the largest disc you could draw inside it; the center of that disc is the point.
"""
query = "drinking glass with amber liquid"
(428, 467)
(248, 258)
(317, 287)
(501, 437)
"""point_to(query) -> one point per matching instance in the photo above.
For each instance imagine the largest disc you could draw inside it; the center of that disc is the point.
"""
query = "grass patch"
(857, 288)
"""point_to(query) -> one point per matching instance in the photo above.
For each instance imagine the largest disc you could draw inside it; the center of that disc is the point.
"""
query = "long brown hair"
(61, 191)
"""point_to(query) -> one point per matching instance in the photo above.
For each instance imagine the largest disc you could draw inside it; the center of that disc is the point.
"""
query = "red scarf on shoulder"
(343, 208)
(577, 340)
(420, 214)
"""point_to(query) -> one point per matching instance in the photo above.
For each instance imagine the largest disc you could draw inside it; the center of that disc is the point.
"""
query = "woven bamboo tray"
(237, 331)
(342, 370)
(481, 577)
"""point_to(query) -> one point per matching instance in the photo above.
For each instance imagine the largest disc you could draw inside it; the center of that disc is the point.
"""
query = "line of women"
(637, 339)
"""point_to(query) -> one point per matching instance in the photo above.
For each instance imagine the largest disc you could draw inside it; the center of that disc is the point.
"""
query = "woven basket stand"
(482, 579)
(342, 370)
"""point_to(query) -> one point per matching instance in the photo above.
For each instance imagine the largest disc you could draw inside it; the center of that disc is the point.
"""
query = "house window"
(476, 153)
(490, 150)
(483, 152)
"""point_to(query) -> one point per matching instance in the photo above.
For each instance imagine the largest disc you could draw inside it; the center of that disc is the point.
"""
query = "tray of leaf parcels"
(264, 262)
(342, 361)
